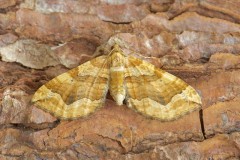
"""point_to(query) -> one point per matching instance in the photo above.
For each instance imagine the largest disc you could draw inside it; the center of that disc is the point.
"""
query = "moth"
(144, 88)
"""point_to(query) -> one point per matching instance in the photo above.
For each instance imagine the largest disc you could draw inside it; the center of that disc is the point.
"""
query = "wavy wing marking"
(156, 93)
(76, 93)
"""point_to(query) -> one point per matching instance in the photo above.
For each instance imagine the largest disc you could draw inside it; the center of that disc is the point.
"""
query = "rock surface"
(198, 41)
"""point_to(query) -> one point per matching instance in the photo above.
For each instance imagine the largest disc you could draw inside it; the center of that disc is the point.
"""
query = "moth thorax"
(117, 59)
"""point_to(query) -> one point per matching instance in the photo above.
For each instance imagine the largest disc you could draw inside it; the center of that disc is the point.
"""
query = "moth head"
(115, 47)
(116, 50)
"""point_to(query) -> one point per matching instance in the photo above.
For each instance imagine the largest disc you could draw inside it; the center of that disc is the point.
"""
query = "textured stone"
(208, 8)
(200, 45)
(7, 21)
(136, 135)
(105, 11)
(7, 3)
(150, 46)
(16, 85)
(13, 107)
(218, 147)
(28, 4)
(204, 51)
(203, 45)
(230, 7)
(121, 13)
(33, 54)
(178, 7)
(219, 87)
(235, 137)
(65, 6)
(160, 6)
(67, 26)
(224, 61)
(38, 116)
(11, 143)
(30, 53)
(222, 117)
(188, 38)
(7, 39)
(192, 21)
(73, 54)
(117, 2)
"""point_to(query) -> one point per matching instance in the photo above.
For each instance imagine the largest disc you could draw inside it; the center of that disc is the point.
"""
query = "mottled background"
(197, 40)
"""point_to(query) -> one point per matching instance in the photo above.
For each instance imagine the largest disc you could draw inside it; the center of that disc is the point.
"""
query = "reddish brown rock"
(235, 137)
(224, 61)
(67, 26)
(30, 53)
(137, 2)
(16, 88)
(65, 6)
(38, 116)
(225, 7)
(218, 87)
(28, 4)
(202, 45)
(188, 38)
(73, 54)
(14, 106)
(192, 21)
(34, 54)
(130, 130)
(218, 147)
(7, 3)
(178, 7)
(7, 21)
(209, 8)
(121, 13)
(222, 117)
(160, 6)
(204, 51)
(7, 39)
(151, 46)
(11, 143)
(193, 44)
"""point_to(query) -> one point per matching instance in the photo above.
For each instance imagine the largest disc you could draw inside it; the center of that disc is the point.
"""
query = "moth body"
(117, 72)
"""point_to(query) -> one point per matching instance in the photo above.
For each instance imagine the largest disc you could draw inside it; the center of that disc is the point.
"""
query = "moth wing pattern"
(156, 93)
(149, 90)
(76, 93)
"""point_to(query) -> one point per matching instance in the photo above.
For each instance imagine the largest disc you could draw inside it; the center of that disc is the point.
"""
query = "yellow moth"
(145, 88)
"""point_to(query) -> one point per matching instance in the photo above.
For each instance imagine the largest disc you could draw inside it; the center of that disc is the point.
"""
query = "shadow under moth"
(144, 87)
